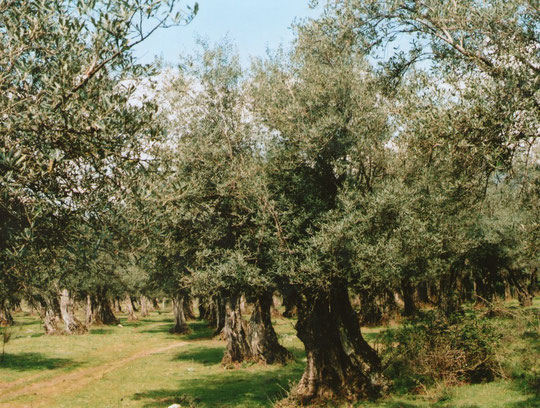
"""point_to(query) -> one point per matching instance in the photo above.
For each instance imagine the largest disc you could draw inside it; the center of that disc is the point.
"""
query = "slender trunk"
(340, 363)
(180, 324)
(263, 340)
(144, 306)
(220, 310)
(71, 324)
(130, 309)
(88, 316)
(236, 333)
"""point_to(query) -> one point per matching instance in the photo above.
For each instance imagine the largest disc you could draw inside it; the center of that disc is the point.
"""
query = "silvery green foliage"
(68, 130)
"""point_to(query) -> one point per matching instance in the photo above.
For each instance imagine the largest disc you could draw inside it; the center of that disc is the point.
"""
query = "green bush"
(433, 349)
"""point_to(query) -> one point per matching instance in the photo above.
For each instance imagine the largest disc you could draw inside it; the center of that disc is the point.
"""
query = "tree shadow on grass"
(242, 387)
(199, 330)
(34, 361)
(101, 331)
(202, 355)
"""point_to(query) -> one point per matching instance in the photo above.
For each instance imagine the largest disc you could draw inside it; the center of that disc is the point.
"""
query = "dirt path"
(47, 389)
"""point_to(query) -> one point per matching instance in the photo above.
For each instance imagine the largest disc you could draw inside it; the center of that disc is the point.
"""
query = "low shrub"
(433, 349)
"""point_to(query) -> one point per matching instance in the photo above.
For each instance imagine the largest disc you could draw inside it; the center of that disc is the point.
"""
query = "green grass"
(188, 374)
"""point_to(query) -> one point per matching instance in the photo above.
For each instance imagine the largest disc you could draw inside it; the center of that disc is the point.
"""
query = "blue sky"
(252, 25)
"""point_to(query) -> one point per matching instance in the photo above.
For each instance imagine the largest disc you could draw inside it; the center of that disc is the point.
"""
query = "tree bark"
(220, 310)
(50, 313)
(102, 313)
(188, 308)
(130, 309)
(236, 333)
(71, 324)
(407, 289)
(144, 306)
(289, 301)
(155, 303)
(262, 337)
(180, 324)
(340, 363)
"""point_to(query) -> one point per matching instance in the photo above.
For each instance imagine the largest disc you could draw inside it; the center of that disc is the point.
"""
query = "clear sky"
(252, 25)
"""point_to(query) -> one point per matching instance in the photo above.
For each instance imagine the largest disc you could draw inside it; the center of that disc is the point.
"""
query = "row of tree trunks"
(340, 363)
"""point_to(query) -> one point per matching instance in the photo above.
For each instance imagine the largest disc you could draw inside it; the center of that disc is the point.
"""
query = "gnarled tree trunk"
(102, 313)
(236, 333)
(130, 309)
(262, 338)
(340, 363)
(50, 313)
(180, 324)
(71, 324)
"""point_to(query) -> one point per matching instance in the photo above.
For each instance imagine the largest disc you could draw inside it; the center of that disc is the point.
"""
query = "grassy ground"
(141, 365)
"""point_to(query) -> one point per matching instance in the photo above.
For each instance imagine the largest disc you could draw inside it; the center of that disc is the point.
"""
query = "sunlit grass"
(188, 374)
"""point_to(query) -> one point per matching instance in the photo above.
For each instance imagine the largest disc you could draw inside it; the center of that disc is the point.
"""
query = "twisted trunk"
(236, 333)
(101, 311)
(262, 338)
(180, 324)
(340, 363)
(50, 313)
(71, 324)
